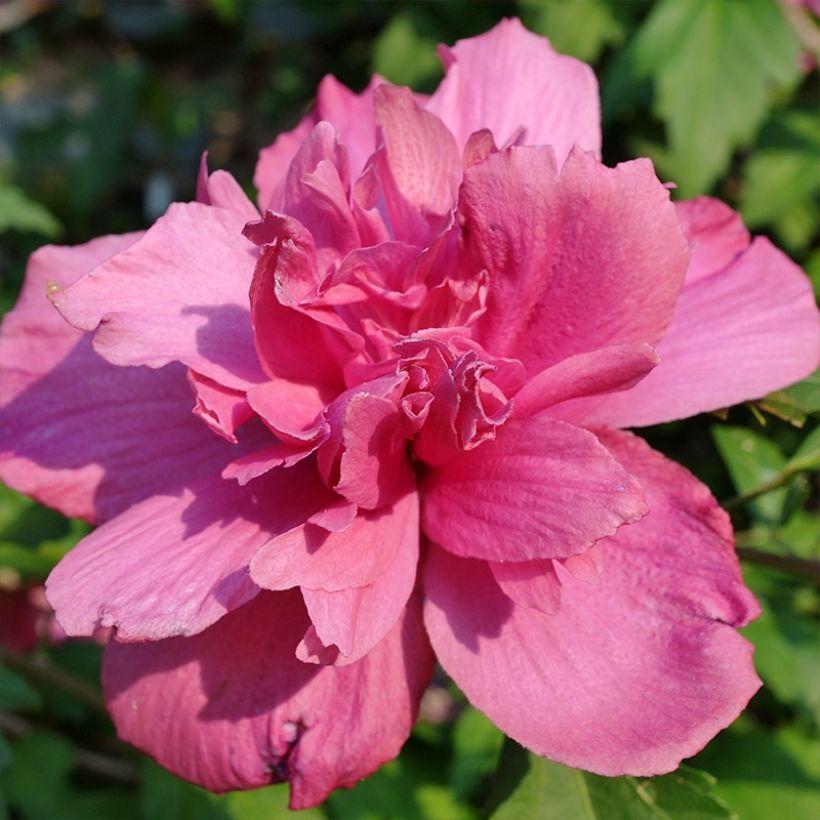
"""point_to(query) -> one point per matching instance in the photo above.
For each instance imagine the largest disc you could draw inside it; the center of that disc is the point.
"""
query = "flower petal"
(584, 375)
(419, 165)
(313, 557)
(175, 564)
(592, 257)
(541, 489)
(745, 324)
(514, 83)
(631, 675)
(180, 293)
(354, 620)
(77, 433)
(233, 708)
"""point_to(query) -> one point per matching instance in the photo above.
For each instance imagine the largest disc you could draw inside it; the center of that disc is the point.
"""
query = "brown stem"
(100, 764)
(41, 669)
(787, 563)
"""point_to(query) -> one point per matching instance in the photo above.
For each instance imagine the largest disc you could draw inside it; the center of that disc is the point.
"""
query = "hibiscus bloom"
(409, 372)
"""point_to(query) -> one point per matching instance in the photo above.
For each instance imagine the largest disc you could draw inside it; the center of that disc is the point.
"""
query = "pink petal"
(365, 458)
(259, 462)
(232, 708)
(222, 190)
(510, 79)
(222, 409)
(312, 557)
(293, 410)
(316, 195)
(419, 165)
(354, 620)
(531, 584)
(597, 372)
(585, 259)
(175, 564)
(291, 344)
(75, 432)
(351, 114)
(180, 293)
(746, 323)
(541, 489)
(630, 676)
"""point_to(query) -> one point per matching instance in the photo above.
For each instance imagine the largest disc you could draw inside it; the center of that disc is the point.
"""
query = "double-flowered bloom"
(409, 371)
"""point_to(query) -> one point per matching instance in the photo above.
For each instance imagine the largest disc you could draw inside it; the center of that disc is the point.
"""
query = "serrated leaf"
(717, 67)
(530, 786)
(19, 212)
(752, 461)
(582, 28)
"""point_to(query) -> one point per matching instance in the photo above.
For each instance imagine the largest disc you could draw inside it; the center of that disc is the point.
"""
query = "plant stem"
(41, 669)
(787, 563)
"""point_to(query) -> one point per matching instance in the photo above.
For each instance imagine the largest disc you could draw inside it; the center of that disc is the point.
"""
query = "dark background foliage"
(105, 108)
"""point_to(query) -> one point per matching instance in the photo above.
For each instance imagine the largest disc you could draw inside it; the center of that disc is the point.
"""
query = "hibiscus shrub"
(389, 431)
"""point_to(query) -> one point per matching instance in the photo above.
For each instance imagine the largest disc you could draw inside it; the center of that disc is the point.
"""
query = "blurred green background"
(105, 108)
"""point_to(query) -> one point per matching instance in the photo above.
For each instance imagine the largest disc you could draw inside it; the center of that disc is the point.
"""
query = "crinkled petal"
(590, 257)
(631, 675)
(541, 489)
(77, 433)
(222, 409)
(746, 323)
(348, 623)
(180, 293)
(175, 564)
(351, 114)
(232, 708)
(513, 83)
(313, 557)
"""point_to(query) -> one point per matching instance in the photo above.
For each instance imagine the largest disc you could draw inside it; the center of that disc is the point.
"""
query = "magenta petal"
(582, 376)
(631, 675)
(513, 83)
(746, 323)
(75, 432)
(313, 557)
(541, 489)
(175, 564)
(419, 165)
(531, 584)
(222, 409)
(180, 293)
(587, 258)
(233, 708)
(222, 190)
(355, 620)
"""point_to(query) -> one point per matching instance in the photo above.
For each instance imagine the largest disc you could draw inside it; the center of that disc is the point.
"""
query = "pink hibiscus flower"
(408, 371)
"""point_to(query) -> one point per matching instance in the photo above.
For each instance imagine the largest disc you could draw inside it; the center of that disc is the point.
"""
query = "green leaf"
(753, 460)
(782, 177)
(807, 456)
(15, 693)
(582, 28)
(530, 786)
(19, 212)
(405, 51)
(796, 403)
(766, 774)
(717, 67)
(477, 743)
